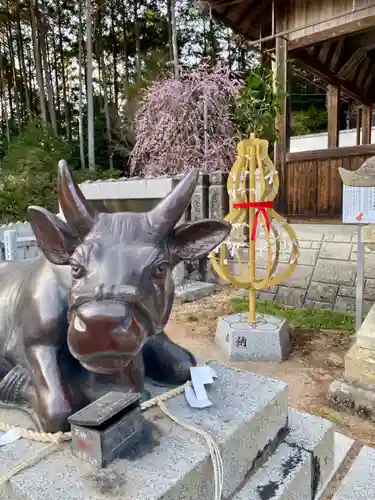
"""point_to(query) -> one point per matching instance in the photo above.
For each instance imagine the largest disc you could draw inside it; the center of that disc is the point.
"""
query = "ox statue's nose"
(106, 315)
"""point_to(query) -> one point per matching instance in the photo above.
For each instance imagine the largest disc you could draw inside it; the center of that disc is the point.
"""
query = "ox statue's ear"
(53, 236)
(197, 239)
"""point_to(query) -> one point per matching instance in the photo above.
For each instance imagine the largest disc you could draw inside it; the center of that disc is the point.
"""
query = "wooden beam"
(314, 65)
(336, 55)
(336, 31)
(333, 104)
(363, 71)
(242, 14)
(369, 80)
(324, 51)
(249, 14)
(365, 40)
(367, 124)
(282, 145)
(359, 125)
(354, 60)
(310, 78)
(362, 45)
(327, 154)
(224, 16)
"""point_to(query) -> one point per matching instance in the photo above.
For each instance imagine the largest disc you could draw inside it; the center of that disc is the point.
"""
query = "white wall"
(320, 141)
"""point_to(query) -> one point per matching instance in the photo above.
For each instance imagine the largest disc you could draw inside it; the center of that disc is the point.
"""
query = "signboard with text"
(358, 205)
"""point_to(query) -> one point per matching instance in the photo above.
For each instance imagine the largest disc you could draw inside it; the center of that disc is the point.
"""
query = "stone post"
(179, 272)
(218, 196)
(199, 201)
(10, 244)
(199, 210)
(218, 208)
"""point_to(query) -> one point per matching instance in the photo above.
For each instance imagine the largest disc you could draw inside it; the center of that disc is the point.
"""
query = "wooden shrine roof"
(333, 39)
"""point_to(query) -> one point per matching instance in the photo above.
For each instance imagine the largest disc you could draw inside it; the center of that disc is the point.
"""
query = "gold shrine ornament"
(255, 204)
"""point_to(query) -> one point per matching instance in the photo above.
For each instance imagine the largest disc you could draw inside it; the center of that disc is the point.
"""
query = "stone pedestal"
(265, 447)
(355, 392)
(266, 340)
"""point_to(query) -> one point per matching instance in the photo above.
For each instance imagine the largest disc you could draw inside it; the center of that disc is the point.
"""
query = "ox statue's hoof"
(167, 363)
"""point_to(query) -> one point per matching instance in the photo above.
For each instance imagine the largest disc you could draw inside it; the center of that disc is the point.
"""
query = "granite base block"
(359, 483)
(266, 340)
(193, 290)
(306, 461)
(342, 445)
(315, 435)
(248, 416)
(285, 476)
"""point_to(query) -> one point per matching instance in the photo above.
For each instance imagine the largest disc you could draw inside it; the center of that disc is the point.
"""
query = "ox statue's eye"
(77, 270)
(160, 272)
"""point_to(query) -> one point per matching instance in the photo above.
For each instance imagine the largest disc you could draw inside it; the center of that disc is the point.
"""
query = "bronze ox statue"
(88, 315)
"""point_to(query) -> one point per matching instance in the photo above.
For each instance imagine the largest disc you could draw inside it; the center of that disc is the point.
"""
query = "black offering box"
(103, 429)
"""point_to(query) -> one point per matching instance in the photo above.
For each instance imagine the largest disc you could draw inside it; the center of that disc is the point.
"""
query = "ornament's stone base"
(193, 290)
(266, 340)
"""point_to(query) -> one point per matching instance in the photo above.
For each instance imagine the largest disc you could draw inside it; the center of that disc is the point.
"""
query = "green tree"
(257, 105)
(28, 174)
(29, 171)
(310, 121)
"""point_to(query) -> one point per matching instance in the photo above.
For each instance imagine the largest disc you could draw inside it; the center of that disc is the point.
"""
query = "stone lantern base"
(355, 392)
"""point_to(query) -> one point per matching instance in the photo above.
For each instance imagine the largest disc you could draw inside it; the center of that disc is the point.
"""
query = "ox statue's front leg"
(166, 362)
(51, 402)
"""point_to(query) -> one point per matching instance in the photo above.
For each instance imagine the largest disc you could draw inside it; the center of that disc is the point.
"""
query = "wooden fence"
(314, 187)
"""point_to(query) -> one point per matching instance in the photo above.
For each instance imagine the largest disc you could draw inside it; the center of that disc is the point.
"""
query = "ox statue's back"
(88, 315)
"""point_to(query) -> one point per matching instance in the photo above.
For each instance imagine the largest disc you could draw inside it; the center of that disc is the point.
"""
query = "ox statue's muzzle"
(104, 336)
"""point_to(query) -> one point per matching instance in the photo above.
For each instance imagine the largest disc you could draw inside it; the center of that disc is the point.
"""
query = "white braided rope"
(55, 439)
(217, 461)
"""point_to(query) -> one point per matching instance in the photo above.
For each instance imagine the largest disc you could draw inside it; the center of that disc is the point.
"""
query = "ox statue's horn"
(168, 211)
(76, 209)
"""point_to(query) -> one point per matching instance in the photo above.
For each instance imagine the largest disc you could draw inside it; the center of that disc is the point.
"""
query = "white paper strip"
(10, 436)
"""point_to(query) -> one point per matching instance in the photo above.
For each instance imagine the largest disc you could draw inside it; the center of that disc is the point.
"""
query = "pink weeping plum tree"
(186, 123)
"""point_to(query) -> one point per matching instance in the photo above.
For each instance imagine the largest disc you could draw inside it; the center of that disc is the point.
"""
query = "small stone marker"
(266, 340)
(102, 430)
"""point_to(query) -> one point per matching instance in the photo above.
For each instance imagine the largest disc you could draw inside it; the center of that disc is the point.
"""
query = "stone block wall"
(325, 277)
